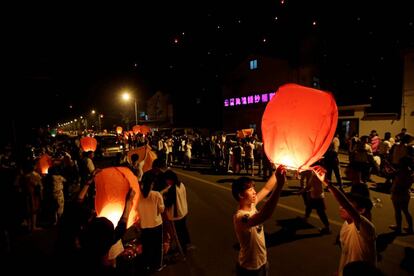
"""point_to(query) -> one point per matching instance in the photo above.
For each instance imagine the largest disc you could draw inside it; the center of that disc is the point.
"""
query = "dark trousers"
(319, 205)
(335, 169)
(401, 205)
(152, 247)
(182, 232)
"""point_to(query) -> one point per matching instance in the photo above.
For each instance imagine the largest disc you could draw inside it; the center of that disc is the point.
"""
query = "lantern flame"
(43, 164)
(288, 162)
(119, 130)
(113, 212)
(112, 185)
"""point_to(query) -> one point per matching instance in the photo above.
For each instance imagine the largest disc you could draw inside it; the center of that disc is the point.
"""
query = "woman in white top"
(150, 207)
(177, 207)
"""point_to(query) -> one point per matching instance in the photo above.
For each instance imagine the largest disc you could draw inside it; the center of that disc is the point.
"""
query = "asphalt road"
(294, 247)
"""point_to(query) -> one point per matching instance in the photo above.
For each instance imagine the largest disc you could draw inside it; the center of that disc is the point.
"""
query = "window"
(253, 64)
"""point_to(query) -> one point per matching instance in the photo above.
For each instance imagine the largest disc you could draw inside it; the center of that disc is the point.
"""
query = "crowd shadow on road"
(383, 240)
(407, 262)
(288, 232)
(382, 188)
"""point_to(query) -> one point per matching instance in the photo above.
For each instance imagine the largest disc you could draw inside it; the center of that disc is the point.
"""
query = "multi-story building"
(253, 83)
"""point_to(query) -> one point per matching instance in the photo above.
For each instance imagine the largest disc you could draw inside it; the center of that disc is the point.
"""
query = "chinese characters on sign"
(251, 99)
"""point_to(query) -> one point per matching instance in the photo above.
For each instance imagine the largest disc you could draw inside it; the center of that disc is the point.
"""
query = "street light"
(126, 96)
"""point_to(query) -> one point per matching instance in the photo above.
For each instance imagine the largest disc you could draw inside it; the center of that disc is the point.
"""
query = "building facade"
(356, 118)
(253, 83)
(247, 90)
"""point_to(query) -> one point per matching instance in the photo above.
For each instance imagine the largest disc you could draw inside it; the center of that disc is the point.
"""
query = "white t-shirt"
(90, 165)
(252, 253)
(358, 245)
(181, 202)
(150, 209)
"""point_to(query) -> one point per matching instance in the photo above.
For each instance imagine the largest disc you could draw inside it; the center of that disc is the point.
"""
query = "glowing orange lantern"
(141, 151)
(245, 132)
(298, 126)
(136, 129)
(145, 129)
(43, 164)
(88, 143)
(112, 185)
(119, 130)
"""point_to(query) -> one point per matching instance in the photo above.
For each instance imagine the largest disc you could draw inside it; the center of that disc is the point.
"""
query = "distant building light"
(253, 64)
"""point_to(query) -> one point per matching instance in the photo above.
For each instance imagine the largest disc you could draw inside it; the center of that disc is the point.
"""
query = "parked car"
(108, 146)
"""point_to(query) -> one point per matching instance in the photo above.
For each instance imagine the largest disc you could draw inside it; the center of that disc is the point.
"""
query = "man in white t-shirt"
(357, 234)
(248, 221)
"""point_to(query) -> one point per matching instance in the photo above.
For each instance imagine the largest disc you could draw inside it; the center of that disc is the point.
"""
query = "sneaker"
(395, 228)
(160, 268)
(325, 231)
(409, 230)
(190, 247)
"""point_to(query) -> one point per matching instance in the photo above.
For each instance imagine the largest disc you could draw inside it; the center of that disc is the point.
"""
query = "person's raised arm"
(339, 196)
(267, 188)
(123, 221)
(266, 211)
(88, 183)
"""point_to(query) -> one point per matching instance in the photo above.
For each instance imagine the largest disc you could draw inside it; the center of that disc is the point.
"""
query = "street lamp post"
(99, 121)
(136, 113)
(126, 97)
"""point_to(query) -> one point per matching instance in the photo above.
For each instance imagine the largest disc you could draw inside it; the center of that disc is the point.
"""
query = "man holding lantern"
(248, 221)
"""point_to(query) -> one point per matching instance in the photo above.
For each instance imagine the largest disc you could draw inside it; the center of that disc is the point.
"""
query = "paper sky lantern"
(298, 126)
(88, 144)
(119, 130)
(245, 133)
(136, 129)
(145, 129)
(43, 164)
(151, 156)
(112, 185)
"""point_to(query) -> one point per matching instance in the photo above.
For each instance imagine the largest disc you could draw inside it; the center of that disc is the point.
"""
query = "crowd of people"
(64, 197)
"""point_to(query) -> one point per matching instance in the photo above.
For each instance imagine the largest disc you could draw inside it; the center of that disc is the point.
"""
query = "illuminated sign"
(247, 100)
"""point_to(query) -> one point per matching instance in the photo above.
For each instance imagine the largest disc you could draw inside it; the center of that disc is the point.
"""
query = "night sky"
(57, 57)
